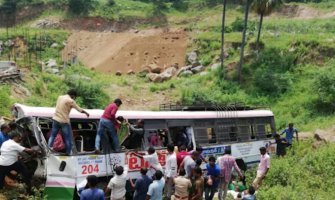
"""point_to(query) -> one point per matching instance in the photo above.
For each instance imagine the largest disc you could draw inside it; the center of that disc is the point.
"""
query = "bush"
(6, 101)
(80, 7)
(272, 71)
(324, 87)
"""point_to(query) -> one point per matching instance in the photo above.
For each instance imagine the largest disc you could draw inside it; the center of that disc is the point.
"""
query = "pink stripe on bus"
(60, 183)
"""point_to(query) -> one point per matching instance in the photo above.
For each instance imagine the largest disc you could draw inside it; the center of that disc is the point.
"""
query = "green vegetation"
(305, 173)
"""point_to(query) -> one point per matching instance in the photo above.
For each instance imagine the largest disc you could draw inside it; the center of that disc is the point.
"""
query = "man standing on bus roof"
(108, 122)
(290, 130)
(61, 119)
(262, 169)
(226, 164)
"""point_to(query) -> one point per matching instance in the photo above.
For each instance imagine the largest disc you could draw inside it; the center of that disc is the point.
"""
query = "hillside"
(292, 74)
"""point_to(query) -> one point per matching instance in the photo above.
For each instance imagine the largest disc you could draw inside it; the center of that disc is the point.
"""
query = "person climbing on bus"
(135, 137)
(289, 134)
(61, 119)
(108, 122)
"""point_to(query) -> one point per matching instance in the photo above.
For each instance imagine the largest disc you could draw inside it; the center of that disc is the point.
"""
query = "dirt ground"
(131, 50)
(301, 12)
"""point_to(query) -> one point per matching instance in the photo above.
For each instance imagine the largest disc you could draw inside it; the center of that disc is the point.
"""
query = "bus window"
(181, 135)
(156, 138)
(205, 135)
(263, 130)
(244, 133)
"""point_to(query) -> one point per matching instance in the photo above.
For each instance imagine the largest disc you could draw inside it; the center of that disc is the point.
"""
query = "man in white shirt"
(9, 159)
(189, 163)
(152, 159)
(118, 184)
(170, 169)
(155, 191)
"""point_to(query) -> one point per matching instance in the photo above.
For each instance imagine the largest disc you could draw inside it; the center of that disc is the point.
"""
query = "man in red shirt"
(181, 154)
(108, 121)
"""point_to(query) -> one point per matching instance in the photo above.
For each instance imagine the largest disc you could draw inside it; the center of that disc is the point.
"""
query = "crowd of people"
(186, 181)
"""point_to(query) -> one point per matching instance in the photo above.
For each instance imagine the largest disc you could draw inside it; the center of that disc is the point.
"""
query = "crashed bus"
(242, 131)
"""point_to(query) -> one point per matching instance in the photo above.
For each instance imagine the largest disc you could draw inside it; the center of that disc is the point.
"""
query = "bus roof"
(24, 111)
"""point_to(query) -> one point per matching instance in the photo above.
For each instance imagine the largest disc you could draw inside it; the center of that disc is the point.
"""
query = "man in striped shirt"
(226, 164)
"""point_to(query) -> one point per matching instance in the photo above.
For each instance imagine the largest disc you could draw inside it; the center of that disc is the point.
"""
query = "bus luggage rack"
(213, 107)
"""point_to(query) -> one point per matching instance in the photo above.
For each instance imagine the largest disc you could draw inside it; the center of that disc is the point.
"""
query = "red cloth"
(110, 112)
(180, 157)
(59, 144)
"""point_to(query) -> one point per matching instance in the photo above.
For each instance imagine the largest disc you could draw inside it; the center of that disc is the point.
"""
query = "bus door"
(181, 133)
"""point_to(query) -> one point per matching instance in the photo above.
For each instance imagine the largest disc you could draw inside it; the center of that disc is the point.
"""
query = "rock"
(80, 77)
(203, 73)
(215, 66)
(156, 78)
(186, 73)
(118, 73)
(181, 70)
(51, 63)
(154, 68)
(195, 64)
(198, 69)
(192, 57)
(130, 72)
(52, 70)
(168, 73)
(54, 45)
(324, 136)
(175, 65)
(46, 23)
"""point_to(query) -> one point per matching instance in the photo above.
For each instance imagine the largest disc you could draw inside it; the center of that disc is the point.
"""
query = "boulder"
(181, 70)
(51, 63)
(118, 73)
(54, 45)
(170, 70)
(186, 73)
(192, 57)
(196, 64)
(198, 69)
(130, 72)
(156, 78)
(52, 70)
(215, 66)
(154, 68)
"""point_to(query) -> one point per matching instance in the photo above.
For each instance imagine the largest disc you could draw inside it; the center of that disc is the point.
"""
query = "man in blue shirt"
(213, 178)
(141, 185)
(155, 191)
(5, 129)
(289, 131)
(92, 192)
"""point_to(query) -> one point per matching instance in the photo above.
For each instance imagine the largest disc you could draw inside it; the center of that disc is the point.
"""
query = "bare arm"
(198, 193)
(132, 183)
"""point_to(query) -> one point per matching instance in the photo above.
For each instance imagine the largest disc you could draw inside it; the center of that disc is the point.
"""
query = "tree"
(222, 34)
(263, 8)
(246, 13)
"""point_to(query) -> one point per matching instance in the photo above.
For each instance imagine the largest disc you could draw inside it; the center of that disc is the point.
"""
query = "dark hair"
(195, 154)
(158, 175)
(227, 151)
(13, 125)
(276, 135)
(198, 162)
(251, 190)
(92, 180)
(4, 126)
(182, 148)
(212, 159)
(118, 170)
(120, 118)
(239, 195)
(290, 124)
(151, 150)
(262, 149)
(170, 147)
(198, 170)
(118, 101)
(72, 92)
(199, 149)
(182, 172)
(144, 170)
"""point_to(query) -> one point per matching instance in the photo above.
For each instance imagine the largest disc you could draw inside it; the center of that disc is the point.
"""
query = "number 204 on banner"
(89, 169)
(91, 165)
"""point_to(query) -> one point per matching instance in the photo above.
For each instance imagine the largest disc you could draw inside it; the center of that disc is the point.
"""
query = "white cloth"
(154, 164)
(118, 185)
(189, 165)
(171, 166)
(9, 152)
(264, 164)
